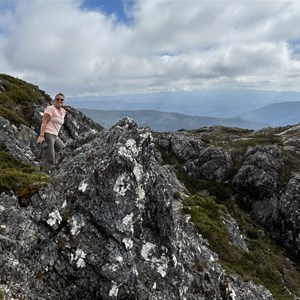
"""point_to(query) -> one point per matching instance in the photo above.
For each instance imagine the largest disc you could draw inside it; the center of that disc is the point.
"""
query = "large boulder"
(289, 209)
(259, 175)
(213, 163)
(182, 145)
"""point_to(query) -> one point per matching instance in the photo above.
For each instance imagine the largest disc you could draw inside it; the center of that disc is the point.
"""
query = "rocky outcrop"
(289, 209)
(259, 175)
(212, 164)
(271, 198)
(108, 226)
(184, 146)
(209, 163)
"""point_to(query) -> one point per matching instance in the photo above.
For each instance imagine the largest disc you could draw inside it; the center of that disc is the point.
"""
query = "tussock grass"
(19, 176)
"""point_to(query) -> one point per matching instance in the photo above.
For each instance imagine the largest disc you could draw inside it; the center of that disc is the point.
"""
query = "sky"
(115, 47)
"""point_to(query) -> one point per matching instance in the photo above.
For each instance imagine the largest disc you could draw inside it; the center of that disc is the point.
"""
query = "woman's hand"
(40, 139)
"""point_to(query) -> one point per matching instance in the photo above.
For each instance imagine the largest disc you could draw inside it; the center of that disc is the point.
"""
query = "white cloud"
(169, 45)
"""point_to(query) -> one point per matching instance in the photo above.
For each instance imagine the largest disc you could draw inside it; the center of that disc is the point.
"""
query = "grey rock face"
(182, 145)
(289, 207)
(212, 164)
(20, 142)
(234, 232)
(258, 176)
(109, 227)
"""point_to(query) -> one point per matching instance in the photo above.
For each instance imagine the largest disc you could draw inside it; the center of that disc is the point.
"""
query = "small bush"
(16, 174)
(206, 214)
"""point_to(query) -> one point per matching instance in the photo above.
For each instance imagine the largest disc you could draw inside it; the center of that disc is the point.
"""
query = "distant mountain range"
(165, 121)
(277, 114)
(221, 103)
(172, 111)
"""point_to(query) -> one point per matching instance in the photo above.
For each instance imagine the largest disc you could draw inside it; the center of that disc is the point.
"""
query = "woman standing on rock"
(53, 119)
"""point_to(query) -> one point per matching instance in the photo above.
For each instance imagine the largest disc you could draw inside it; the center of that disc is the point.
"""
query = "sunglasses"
(59, 99)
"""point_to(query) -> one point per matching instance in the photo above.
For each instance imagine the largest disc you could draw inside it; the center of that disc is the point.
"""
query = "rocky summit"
(128, 213)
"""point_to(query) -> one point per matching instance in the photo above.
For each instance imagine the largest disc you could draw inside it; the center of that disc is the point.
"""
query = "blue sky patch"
(109, 7)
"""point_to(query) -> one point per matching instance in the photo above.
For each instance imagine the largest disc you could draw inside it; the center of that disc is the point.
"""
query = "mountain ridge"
(215, 102)
(166, 121)
(277, 114)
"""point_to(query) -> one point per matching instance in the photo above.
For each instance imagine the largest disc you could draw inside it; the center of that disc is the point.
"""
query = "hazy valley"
(173, 111)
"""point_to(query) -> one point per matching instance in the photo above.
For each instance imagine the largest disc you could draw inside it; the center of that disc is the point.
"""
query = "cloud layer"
(168, 45)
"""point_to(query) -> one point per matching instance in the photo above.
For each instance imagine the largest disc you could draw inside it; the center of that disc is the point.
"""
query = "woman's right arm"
(45, 120)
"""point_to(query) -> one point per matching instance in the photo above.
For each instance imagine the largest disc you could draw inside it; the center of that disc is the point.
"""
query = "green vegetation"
(2, 297)
(265, 263)
(19, 176)
(18, 99)
(236, 138)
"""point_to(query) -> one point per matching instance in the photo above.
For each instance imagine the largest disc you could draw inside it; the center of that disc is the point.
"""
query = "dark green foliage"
(18, 99)
(243, 203)
(16, 174)
(264, 263)
(12, 115)
(221, 191)
(207, 216)
(3, 146)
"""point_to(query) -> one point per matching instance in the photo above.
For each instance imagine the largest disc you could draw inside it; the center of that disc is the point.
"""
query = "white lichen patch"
(162, 268)
(114, 264)
(146, 135)
(13, 262)
(130, 150)
(138, 172)
(147, 251)
(120, 186)
(54, 218)
(230, 292)
(75, 124)
(140, 192)
(182, 292)
(131, 144)
(125, 153)
(114, 290)
(76, 225)
(79, 258)
(174, 260)
(127, 221)
(82, 187)
(160, 264)
(128, 243)
(111, 267)
(119, 259)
